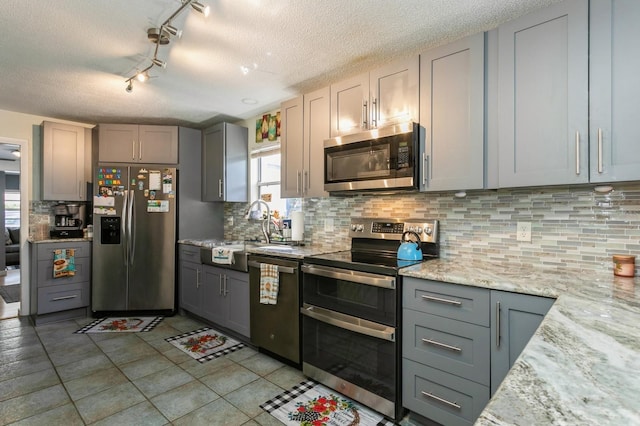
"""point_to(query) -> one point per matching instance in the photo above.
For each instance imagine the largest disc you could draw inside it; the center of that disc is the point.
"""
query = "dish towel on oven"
(268, 284)
(64, 264)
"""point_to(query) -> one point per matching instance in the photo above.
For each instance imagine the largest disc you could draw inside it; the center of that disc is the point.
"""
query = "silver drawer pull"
(55, 299)
(442, 345)
(447, 301)
(444, 401)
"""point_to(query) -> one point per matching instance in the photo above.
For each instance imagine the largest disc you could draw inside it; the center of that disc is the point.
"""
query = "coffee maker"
(69, 219)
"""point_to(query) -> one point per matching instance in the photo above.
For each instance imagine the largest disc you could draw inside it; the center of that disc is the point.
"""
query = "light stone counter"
(582, 366)
(280, 250)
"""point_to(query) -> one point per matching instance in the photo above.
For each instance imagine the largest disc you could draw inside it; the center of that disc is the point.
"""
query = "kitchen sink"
(239, 258)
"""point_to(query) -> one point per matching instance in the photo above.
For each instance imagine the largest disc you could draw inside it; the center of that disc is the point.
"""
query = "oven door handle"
(352, 276)
(347, 322)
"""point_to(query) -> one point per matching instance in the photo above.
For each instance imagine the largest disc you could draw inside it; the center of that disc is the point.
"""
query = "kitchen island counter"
(583, 363)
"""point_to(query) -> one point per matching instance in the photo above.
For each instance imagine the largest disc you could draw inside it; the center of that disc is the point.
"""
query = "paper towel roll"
(297, 226)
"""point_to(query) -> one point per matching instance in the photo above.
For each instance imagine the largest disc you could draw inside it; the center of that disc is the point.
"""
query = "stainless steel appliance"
(276, 328)
(68, 220)
(351, 311)
(134, 219)
(380, 159)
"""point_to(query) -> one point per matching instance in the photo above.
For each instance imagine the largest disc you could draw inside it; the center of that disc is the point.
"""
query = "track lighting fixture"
(161, 36)
(201, 8)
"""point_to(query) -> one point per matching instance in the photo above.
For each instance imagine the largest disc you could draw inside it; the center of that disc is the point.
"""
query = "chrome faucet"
(265, 223)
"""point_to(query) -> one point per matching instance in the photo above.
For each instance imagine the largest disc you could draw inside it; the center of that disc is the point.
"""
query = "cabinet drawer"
(189, 253)
(45, 273)
(458, 302)
(453, 346)
(440, 396)
(63, 297)
(45, 251)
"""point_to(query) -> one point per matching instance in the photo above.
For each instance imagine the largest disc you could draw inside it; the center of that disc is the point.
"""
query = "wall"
(572, 227)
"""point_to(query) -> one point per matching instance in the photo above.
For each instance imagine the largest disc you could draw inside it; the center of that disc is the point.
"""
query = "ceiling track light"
(161, 36)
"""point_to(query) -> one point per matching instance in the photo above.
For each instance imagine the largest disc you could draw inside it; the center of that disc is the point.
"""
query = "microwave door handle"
(348, 322)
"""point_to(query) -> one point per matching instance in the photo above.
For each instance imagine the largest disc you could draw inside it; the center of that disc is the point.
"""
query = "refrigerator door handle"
(132, 229)
(123, 228)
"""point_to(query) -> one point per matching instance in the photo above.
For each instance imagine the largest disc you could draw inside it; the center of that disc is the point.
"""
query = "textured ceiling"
(69, 59)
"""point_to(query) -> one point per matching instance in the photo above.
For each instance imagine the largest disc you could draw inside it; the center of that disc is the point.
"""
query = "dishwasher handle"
(283, 269)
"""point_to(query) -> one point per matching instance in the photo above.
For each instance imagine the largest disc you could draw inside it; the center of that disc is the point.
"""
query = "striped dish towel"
(268, 284)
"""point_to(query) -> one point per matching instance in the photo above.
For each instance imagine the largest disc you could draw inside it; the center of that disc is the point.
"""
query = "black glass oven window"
(365, 361)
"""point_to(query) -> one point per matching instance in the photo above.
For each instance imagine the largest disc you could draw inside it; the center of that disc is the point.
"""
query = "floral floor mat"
(121, 325)
(204, 344)
(312, 404)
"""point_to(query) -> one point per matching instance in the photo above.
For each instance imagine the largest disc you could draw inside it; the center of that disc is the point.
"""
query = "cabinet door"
(452, 115)
(543, 97)
(63, 175)
(158, 144)
(214, 306)
(394, 93)
(614, 91)
(190, 283)
(213, 163)
(514, 320)
(350, 105)
(117, 143)
(291, 140)
(317, 128)
(236, 291)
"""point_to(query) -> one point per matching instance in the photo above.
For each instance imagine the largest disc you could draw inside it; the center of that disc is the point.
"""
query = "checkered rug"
(310, 403)
(121, 325)
(204, 344)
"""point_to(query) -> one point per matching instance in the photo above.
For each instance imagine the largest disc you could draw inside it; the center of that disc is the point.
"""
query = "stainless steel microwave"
(379, 159)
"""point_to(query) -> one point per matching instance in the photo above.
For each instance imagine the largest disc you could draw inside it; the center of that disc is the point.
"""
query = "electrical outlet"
(231, 220)
(328, 225)
(523, 231)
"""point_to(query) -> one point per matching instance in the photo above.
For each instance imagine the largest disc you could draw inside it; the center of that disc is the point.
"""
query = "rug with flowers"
(204, 344)
(312, 404)
(121, 325)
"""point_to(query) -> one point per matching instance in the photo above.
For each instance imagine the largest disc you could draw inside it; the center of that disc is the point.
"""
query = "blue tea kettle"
(410, 250)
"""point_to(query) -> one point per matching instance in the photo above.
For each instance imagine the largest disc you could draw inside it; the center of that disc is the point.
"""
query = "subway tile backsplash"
(572, 228)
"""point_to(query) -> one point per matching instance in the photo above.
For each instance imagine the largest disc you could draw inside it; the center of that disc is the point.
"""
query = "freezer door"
(153, 238)
(109, 272)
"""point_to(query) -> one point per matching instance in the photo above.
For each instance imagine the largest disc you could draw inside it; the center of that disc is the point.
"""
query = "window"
(265, 172)
(12, 209)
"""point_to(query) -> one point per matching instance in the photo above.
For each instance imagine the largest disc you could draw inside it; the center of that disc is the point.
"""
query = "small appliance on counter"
(68, 220)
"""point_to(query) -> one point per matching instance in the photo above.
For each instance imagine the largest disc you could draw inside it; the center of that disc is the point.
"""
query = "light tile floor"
(50, 376)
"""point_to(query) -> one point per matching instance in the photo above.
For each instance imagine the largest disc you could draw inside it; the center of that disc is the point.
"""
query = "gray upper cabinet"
(514, 320)
(543, 97)
(63, 162)
(224, 163)
(614, 90)
(452, 115)
(383, 96)
(132, 143)
(291, 144)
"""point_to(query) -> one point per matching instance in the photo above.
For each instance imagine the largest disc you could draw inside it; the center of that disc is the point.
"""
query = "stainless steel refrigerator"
(134, 222)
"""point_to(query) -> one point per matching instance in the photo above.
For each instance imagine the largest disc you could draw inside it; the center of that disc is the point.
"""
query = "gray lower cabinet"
(55, 299)
(216, 294)
(458, 343)
(514, 319)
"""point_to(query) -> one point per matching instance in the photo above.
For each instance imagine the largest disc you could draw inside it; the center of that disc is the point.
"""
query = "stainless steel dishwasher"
(276, 328)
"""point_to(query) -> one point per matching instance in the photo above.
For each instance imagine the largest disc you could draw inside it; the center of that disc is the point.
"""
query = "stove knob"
(353, 227)
(428, 230)
(360, 228)
(419, 229)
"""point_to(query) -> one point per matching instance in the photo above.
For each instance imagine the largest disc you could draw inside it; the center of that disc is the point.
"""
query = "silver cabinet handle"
(220, 188)
(220, 285)
(347, 322)
(80, 190)
(577, 152)
(351, 276)
(442, 345)
(444, 401)
(374, 113)
(306, 183)
(298, 175)
(599, 150)
(197, 278)
(498, 332)
(56, 299)
(225, 290)
(140, 149)
(133, 150)
(425, 169)
(439, 300)
(365, 114)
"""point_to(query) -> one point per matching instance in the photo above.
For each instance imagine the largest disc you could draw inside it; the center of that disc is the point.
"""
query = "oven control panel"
(392, 229)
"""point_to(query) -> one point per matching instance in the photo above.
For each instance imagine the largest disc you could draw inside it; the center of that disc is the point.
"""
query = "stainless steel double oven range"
(351, 311)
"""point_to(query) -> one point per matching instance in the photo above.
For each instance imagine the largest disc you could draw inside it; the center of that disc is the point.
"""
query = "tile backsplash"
(572, 228)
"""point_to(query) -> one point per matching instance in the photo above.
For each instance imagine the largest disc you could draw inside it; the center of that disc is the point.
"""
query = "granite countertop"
(280, 250)
(59, 240)
(582, 366)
